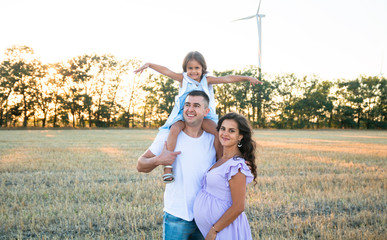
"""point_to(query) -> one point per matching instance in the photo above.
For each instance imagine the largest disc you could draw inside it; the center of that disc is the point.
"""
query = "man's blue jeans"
(175, 228)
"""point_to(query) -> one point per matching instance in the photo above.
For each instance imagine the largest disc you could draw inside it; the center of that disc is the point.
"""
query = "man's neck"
(193, 131)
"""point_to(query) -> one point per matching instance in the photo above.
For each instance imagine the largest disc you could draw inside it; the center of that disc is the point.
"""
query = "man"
(195, 153)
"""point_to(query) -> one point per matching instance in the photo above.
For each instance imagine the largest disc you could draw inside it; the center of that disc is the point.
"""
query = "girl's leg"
(171, 144)
(210, 127)
(174, 131)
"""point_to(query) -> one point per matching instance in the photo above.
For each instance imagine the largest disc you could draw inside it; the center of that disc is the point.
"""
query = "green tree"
(149, 105)
(167, 92)
(23, 71)
(224, 95)
(117, 73)
(261, 101)
(363, 95)
(315, 104)
(287, 92)
(381, 106)
(130, 93)
(161, 92)
(43, 93)
(371, 91)
(78, 72)
(72, 92)
(104, 67)
(56, 83)
(7, 83)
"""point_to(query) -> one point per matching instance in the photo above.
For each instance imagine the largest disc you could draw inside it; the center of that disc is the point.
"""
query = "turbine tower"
(259, 20)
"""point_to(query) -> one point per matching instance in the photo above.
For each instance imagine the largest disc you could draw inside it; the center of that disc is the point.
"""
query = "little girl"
(194, 77)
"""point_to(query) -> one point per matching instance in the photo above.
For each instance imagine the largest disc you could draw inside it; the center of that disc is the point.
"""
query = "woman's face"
(229, 133)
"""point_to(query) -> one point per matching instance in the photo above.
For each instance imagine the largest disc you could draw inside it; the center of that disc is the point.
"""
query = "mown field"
(82, 184)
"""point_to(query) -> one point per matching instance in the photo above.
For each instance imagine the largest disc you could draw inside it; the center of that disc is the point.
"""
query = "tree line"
(102, 91)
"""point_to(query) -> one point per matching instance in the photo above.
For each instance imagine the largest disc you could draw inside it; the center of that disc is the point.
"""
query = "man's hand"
(167, 157)
(148, 161)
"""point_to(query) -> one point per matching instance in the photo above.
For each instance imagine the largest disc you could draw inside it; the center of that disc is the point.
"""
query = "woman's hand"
(211, 235)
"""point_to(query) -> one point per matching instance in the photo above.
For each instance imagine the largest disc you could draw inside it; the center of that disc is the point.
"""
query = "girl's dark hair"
(194, 55)
(248, 144)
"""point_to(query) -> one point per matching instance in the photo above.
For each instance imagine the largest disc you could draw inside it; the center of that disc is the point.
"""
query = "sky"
(329, 38)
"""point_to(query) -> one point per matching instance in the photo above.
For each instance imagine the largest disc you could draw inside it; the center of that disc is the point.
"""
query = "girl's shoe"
(168, 177)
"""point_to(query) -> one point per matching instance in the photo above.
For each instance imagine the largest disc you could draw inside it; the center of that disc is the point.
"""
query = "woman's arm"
(232, 79)
(238, 192)
(161, 69)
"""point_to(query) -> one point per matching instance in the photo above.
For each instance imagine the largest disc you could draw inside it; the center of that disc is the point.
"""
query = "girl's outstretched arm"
(161, 69)
(232, 79)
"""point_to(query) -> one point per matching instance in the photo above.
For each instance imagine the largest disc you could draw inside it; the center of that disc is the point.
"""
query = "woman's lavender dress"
(214, 199)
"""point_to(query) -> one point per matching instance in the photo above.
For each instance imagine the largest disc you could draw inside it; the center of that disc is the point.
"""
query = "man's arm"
(148, 161)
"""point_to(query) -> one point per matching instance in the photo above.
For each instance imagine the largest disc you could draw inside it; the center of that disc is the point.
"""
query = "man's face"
(195, 109)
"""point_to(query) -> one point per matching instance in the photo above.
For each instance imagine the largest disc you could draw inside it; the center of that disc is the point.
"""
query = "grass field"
(82, 184)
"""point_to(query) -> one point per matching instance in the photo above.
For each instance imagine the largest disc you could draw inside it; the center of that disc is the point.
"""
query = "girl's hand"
(254, 81)
(142, 68)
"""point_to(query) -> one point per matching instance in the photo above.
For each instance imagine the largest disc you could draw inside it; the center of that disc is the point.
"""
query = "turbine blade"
(244, 18)
(259, 6)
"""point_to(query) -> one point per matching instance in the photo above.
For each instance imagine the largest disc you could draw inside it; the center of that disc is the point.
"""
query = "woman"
(219, 206)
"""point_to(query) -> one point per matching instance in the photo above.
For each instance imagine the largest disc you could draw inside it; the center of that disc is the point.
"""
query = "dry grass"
(82, 184)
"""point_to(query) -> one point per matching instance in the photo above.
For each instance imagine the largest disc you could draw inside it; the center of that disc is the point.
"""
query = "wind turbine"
(259, 20)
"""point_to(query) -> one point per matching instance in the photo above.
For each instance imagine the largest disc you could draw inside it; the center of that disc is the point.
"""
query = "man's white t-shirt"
(197, 156)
